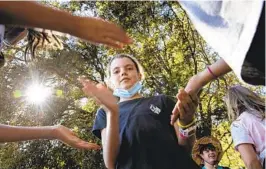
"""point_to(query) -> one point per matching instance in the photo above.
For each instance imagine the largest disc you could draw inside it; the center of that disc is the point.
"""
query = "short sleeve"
(240, 134)
(169, 104)
(99, 123)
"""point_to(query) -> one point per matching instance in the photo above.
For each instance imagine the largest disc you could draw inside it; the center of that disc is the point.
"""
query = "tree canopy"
(165, 43)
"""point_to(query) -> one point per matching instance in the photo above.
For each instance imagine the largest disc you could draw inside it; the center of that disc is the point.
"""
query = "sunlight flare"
(37, 93)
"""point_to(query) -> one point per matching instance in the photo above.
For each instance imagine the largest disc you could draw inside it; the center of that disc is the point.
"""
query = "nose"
(123, 72)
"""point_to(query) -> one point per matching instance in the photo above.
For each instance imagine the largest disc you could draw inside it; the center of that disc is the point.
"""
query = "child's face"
(124, 73)
(209, 155)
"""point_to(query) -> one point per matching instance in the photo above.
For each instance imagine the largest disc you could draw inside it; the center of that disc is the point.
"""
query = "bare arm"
(199, 80)
(110, 134)
(17, 133)
(186, 142)
(110, 141)
(249, 156)
(32, 14)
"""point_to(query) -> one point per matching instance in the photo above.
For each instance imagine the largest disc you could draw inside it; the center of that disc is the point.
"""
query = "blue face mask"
(128, 93)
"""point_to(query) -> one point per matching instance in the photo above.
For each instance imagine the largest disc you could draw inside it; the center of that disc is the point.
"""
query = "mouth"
(212, 156)
(124, 79)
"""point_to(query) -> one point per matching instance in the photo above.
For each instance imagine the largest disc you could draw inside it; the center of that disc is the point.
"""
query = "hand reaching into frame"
(185, 107)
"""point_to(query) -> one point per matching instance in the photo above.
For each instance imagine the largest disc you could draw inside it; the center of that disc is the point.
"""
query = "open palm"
(68, 137)
(101, 94)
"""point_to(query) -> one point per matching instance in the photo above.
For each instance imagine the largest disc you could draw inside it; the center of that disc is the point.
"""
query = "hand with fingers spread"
(97, 30)
(68, 137)
(185, 107)
(101, 94)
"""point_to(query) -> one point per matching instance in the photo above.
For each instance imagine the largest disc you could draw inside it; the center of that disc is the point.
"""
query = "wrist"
(112, 114)
(112, 110)
(53, 131)
(188, 132)
(184, 123)
(195, 83)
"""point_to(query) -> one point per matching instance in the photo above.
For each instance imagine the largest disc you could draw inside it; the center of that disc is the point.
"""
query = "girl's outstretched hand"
(101, 94)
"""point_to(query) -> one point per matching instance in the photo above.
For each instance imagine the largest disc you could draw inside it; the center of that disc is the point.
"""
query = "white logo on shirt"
(155, 109)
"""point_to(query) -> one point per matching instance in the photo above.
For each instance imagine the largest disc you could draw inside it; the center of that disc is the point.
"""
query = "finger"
(119, 37)
(193, 96)
(187, 107)
(111, 43)
(89, 87)
(187, 98)
(175, 113)
(174, 118)
(183, 102)
(181, 110)
(182, 94)
(175, 110)
(88, 146)
(75, 141)
(187, 103)
(117, 33)
(100, 86)
(193, 105)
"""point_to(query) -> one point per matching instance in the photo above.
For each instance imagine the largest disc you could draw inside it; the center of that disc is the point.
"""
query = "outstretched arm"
(32, 14)
(199, 80)
(19, 133)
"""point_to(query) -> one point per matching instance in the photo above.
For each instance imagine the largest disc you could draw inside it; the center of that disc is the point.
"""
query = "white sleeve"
(240, 134)
(230, 23)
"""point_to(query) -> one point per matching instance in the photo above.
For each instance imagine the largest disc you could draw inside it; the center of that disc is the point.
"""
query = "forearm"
(32, 14)
(249, 156)
(111, 145)
(16, 133)
(196, 82)
(187, 143)
(254, 164)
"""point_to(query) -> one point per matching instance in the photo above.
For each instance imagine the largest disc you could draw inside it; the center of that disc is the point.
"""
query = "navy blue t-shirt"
(147, 140)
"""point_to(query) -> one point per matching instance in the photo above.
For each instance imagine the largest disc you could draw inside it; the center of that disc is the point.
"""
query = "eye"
(116, 71)
(130, 68)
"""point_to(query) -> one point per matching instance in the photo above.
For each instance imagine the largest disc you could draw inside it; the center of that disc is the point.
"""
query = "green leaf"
(59, 93)
(17, 94)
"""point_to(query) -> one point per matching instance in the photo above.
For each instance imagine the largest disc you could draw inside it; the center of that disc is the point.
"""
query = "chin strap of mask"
(119, 92)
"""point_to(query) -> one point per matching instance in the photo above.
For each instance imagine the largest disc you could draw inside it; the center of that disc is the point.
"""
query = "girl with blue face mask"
(136, 132)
